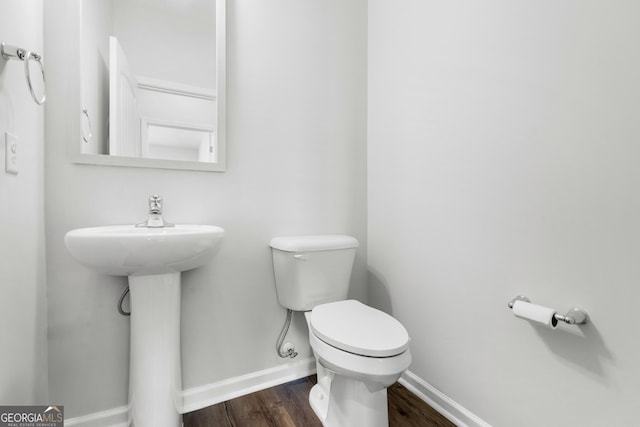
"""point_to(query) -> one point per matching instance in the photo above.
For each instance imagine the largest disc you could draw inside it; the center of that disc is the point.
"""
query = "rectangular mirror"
(152, 83)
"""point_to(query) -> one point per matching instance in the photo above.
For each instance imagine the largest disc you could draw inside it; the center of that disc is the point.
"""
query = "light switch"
(11, 153)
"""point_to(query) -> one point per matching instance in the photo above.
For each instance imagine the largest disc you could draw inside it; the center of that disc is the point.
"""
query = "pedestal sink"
(153, 258)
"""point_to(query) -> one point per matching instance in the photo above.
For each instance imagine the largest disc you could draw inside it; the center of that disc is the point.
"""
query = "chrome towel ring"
(17, 53)
(88, 134)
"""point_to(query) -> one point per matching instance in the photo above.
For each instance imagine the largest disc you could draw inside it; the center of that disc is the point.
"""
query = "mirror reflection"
(149, 77)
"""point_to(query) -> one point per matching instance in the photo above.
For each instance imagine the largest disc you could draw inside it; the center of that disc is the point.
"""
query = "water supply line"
(120, 309)
(286, 349)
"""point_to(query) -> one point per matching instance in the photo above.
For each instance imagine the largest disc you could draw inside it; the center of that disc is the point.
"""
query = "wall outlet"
(11, 153)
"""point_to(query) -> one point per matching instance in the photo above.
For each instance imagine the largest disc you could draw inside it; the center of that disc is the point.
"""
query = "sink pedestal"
(155, 376)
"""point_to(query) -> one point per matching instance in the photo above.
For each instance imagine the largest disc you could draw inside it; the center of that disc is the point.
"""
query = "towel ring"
(12, 52)
(34, 56)
(87, 138)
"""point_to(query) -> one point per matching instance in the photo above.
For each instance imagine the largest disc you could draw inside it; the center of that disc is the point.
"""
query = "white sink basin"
(124, 250)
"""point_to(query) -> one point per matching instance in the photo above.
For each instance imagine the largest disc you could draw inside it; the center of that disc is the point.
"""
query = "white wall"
(502, 159)
(296, 164)
(23, 356)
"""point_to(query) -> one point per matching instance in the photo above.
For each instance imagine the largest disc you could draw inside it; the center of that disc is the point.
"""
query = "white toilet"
(359, 350)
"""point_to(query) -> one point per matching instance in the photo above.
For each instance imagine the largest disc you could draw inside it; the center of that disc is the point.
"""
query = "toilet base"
(340, 401)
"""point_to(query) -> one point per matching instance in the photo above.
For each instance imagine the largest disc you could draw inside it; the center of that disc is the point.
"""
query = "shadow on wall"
(378, 292)
(579, 345)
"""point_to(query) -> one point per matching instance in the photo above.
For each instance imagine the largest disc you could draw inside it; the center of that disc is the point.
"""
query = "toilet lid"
(357, 328)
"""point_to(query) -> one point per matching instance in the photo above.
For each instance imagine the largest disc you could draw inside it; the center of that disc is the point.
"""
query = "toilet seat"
(356, 328)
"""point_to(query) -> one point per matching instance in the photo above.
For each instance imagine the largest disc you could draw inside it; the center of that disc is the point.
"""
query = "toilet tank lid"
(318, 242)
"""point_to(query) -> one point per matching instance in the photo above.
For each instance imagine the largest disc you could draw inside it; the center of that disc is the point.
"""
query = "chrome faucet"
(155, 214)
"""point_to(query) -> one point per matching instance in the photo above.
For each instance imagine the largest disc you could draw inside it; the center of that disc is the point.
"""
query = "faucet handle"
(155, 204)
(155, 214)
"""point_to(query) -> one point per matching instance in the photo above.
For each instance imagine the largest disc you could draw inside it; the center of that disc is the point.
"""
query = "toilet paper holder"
(575, 316)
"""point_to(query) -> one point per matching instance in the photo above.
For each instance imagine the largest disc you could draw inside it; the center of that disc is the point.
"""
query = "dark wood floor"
(287, 405)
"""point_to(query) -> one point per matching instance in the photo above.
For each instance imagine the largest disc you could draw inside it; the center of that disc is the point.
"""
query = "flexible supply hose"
(120, 310)
(290, 352)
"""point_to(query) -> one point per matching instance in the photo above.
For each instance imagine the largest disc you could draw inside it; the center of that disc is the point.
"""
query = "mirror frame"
(74, 145)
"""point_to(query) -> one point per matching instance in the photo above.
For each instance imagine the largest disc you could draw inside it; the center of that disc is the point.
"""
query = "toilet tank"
(312, 270)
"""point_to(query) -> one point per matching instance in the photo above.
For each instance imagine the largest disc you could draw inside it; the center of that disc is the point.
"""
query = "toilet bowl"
(359, 351)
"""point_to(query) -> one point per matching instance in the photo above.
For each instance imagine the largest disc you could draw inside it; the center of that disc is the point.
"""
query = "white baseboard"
(452, 410)
(210, 394)
(116, 417)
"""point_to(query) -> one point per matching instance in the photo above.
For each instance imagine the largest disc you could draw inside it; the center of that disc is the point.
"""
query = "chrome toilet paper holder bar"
(575, 316)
